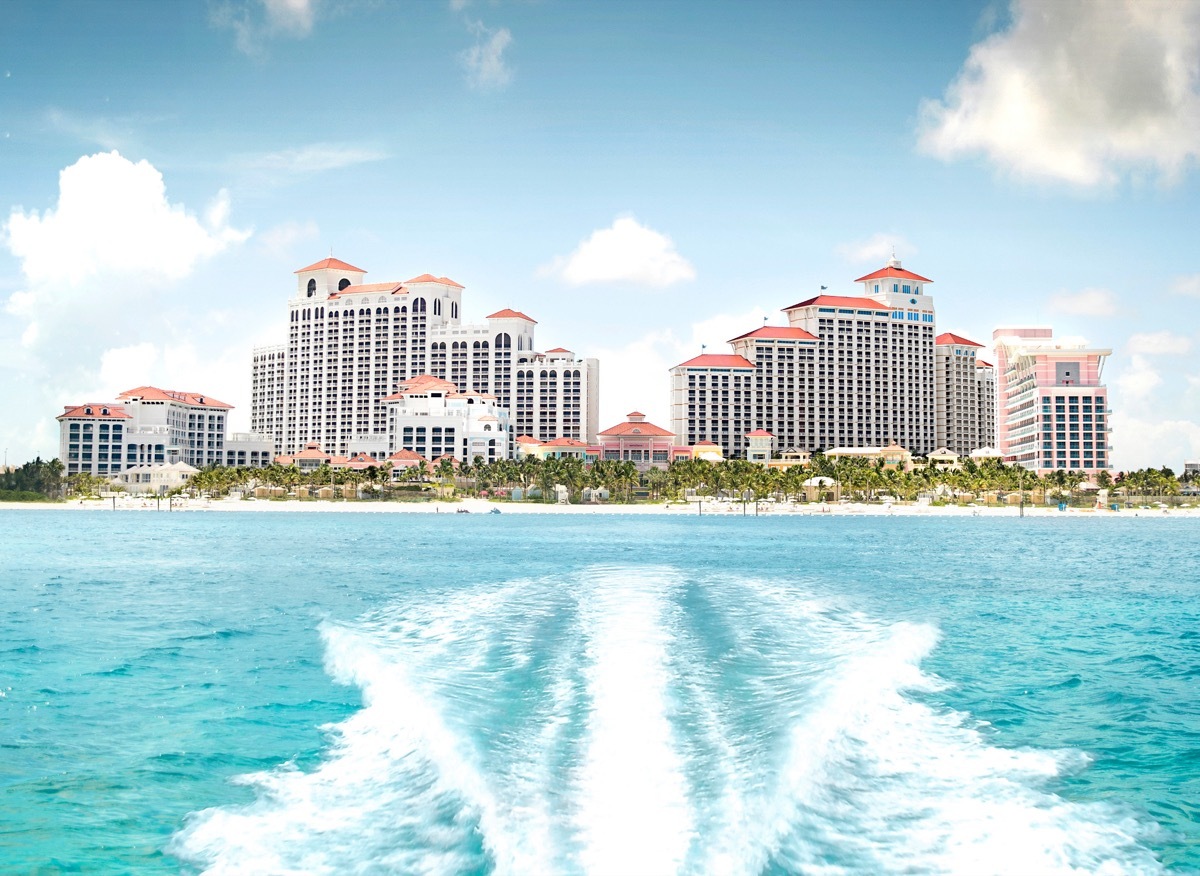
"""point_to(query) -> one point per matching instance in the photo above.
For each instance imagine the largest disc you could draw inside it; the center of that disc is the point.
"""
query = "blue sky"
(641, 178)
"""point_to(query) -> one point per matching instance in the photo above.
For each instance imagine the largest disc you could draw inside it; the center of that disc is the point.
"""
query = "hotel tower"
(351, 344)
(846, 371)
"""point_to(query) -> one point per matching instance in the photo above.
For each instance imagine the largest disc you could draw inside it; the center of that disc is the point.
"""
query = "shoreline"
(675, 509)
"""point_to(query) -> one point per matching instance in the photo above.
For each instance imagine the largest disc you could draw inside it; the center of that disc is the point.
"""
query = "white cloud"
(1138, 382)
(1187, 285)
(281, 239)
(628, 252)
(1148, 442)
(1077, 91)
(313, 158)
(1158, 343)
(1086, 302)
(105, 272)
(876, 249)
(484, 61)
(256, 22)
(113, 217)
(636, 376)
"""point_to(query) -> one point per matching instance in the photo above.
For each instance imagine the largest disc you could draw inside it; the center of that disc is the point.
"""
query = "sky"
(643, 179)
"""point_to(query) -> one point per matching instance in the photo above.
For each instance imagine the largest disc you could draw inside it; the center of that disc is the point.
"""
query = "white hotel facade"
(352, 344)
(846, 371)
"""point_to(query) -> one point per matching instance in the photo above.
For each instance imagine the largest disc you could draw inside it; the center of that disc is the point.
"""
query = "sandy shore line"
(676, 509)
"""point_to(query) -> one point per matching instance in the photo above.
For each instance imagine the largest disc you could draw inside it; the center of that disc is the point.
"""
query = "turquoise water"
(399, 693)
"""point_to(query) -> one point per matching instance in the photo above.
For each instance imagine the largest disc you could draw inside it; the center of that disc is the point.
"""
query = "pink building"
(642, 443)
(1052, 406)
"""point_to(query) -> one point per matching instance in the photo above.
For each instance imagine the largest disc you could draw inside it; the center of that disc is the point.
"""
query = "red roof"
(153, 393)
(370, 287)
(331, 263)
(979, 363)
(759, 433)
(507, 313)
(558, 350)
(564, 442)
(406, 457)
(785, 333)
(115, 412)
(422, 383)
(950, 338)
(716, 360)
(430, 278)
(526, 439)
(840, 301)
(632, 428)
(897, 273)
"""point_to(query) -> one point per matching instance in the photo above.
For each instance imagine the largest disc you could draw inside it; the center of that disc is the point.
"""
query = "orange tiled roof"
(716, 360)
(840, 301)
(979, 363)
(370, 287)
(115, 412)
(897, 273)
(564, 442)
(951, 338)
(508, 313)
(759, 433)
(335, 264)
(776, 332)
(153, 393)
(632, 428)
(559, 350)
(430, 278)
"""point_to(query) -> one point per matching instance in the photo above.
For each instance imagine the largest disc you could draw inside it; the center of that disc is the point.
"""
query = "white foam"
(634, 815)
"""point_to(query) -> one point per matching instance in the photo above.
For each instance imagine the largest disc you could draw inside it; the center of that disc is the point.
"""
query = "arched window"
(343, 283)
(454, 310)
(312, 288)
(418, 305)
(503, 341)
(397, 309)
(437, 307)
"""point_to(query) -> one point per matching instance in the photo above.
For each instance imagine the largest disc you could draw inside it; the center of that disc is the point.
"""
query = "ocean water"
(278, 693)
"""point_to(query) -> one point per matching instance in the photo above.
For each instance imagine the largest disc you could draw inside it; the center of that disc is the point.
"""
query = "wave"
(635, 720)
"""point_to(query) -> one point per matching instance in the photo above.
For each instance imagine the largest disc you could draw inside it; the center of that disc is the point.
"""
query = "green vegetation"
(36, 481)
(856, 479)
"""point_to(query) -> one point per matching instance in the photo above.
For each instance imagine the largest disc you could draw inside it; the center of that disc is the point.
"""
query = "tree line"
(852, 477)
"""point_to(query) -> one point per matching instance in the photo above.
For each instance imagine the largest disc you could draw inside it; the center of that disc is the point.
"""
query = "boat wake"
(636, 721)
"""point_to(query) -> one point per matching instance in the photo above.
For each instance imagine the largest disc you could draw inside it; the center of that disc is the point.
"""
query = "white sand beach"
(694, 508)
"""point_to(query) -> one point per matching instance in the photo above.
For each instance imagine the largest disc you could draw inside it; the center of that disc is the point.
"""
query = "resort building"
(152, 426)
(351, 344)
(845, 371)
(644, 444)
(1053, 406)
(432, 418)
(966, 395)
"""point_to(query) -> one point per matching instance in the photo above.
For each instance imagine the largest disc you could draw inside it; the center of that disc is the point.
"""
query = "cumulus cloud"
(1159, 343)
(113, 217)
(877, 248)
(627, 252)
(1077, 91)
(256, 22)
(1138, 381)
(104, 269)
(1187, 285)
(1148, 442)
(1086, 302)
(484, 62)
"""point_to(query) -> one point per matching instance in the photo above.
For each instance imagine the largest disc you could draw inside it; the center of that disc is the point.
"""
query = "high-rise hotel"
(846, 371)
(1053, 405)
(351, 344)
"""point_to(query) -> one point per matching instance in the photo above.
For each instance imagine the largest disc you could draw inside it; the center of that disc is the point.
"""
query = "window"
(312, 288)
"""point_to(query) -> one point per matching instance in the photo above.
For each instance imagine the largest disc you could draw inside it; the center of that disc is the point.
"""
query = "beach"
(676, 509)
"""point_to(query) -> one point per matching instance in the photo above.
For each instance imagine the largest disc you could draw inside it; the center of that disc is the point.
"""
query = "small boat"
(494, 511)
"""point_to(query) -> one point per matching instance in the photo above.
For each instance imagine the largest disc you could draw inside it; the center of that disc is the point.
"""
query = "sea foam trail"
(634, 813)
(629, 720)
